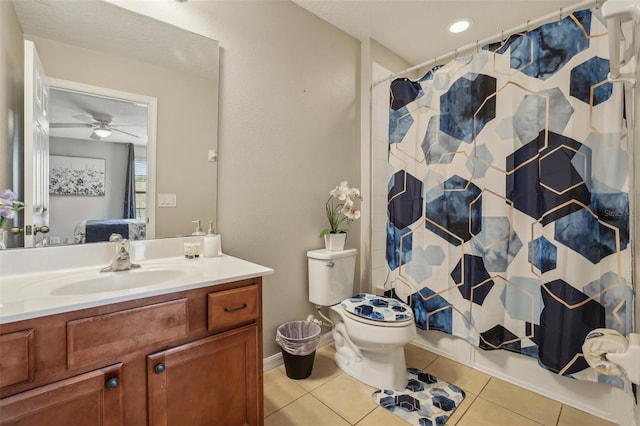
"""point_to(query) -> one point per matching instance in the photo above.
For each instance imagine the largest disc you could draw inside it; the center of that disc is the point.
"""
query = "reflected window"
(141, 187)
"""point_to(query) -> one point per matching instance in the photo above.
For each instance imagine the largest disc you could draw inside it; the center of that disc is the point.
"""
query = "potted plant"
(340, 208)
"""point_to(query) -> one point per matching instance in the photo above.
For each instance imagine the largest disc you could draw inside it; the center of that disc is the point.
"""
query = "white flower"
(344, 209)
(8, 206)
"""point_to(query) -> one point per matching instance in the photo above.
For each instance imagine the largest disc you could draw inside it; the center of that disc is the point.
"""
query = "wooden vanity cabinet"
(186, 358)
(211, 378)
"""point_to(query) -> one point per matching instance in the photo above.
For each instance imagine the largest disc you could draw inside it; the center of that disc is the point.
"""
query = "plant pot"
(335, 242)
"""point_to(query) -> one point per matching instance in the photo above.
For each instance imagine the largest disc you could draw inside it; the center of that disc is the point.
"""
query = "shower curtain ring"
(560, 18)
(455, 54)
(502, 36)
(528, 25)
(477, 49)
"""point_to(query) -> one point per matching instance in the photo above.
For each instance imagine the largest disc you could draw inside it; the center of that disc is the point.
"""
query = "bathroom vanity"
(186, 350)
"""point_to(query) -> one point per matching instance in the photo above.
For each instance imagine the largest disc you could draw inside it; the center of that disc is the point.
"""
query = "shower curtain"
(508, 205)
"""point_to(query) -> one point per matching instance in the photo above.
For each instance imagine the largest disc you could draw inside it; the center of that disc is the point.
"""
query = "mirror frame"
(152, 121)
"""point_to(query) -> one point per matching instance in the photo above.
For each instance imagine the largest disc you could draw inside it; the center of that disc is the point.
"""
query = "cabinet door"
(93, 398)
(212, 381)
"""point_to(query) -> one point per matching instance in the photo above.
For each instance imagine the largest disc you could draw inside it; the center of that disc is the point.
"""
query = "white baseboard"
(271, 362)
(275, 360)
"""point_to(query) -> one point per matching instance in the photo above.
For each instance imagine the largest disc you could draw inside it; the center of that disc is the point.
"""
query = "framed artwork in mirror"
(76, 175)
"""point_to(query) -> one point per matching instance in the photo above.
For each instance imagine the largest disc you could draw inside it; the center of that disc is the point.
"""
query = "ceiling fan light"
(102, 132)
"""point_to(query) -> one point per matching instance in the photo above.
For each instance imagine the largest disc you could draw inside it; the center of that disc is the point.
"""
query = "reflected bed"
(91, 231)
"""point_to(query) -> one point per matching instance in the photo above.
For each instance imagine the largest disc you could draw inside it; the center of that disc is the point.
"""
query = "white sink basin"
(116, 281)
(105, 282)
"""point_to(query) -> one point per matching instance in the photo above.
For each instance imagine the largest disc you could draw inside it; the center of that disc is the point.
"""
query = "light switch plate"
(166, 200)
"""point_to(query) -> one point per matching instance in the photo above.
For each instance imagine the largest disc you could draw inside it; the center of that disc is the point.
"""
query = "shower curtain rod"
(503, 35)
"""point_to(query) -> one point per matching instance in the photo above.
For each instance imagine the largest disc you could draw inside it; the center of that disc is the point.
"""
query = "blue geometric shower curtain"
(508, 199)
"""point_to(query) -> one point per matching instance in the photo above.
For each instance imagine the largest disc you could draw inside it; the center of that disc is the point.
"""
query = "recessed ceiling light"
(459, 25)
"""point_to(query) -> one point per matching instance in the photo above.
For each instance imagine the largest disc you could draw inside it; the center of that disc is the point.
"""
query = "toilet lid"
(372, 307)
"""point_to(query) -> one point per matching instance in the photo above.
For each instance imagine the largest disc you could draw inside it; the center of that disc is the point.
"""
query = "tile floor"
(330, 397)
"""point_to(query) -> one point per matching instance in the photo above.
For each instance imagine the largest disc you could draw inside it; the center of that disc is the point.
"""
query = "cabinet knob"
(159, 368)
(112, 383)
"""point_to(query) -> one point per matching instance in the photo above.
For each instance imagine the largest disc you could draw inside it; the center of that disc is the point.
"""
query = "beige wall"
(11, 84)
(186, 130)
(288, 134)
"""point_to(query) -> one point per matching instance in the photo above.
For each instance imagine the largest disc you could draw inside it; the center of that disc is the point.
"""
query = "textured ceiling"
(416, 30)
(64, 105)
(106, 27)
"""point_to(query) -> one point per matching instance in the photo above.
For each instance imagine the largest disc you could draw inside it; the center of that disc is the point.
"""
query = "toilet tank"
(331, 275)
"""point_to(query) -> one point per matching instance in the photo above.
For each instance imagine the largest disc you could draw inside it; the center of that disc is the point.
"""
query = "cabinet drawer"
(16, 357)
(101, 337)
(229, 308)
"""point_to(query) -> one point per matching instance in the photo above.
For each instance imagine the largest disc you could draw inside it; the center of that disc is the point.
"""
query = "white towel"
(598, 344)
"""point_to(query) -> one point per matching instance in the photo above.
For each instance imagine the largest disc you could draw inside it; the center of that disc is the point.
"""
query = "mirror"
(100, 44)
(101, 156)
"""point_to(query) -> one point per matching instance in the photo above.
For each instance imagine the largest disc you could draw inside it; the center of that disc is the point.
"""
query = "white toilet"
(369, 331)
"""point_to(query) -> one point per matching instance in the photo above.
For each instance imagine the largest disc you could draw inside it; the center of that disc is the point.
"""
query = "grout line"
(485, 386)
(293, 400)
(559, 415)
(331, 409)
(508, 409)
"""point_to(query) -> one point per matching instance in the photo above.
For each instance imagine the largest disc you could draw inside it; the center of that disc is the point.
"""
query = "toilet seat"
(377, 311)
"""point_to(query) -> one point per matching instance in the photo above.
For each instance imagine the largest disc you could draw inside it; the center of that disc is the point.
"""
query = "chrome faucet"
(122, 260)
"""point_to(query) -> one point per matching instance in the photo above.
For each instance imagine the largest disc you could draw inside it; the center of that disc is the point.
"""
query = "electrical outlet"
(166, 200)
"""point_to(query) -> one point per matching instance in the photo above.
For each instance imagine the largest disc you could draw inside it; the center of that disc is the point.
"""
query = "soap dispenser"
(198, 231)
(211, 242)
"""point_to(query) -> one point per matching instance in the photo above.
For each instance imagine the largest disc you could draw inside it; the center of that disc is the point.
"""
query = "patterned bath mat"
(426, 401)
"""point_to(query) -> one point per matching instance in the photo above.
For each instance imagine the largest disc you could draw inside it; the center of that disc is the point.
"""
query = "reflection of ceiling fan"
(100, 123)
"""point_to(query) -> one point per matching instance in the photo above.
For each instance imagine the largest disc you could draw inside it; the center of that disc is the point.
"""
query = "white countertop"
(29, 295)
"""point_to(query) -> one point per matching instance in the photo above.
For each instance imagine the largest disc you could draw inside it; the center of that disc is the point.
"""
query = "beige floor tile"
(570, 416)
(461, 409)
(348, 397)
(417, 357)
(305, 411)
(529, 404)
(467, 378)
(324, 369)
(485, 413)
(381, 417)
(279, 391)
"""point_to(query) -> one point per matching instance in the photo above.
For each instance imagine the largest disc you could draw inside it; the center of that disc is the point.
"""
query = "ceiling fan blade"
(85, 118)
(126, 133)
(69, 125)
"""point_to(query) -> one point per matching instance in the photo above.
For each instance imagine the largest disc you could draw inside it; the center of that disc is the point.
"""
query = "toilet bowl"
(372, 351)
(369, 331)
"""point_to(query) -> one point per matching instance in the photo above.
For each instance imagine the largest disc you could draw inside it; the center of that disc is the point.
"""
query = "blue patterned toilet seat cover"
(372, 307)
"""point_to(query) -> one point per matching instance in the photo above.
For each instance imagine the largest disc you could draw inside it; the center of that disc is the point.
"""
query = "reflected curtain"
(508, 200)
(130, 186)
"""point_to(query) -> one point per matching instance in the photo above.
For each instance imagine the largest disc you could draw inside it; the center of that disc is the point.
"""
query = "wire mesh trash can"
(299, 341)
